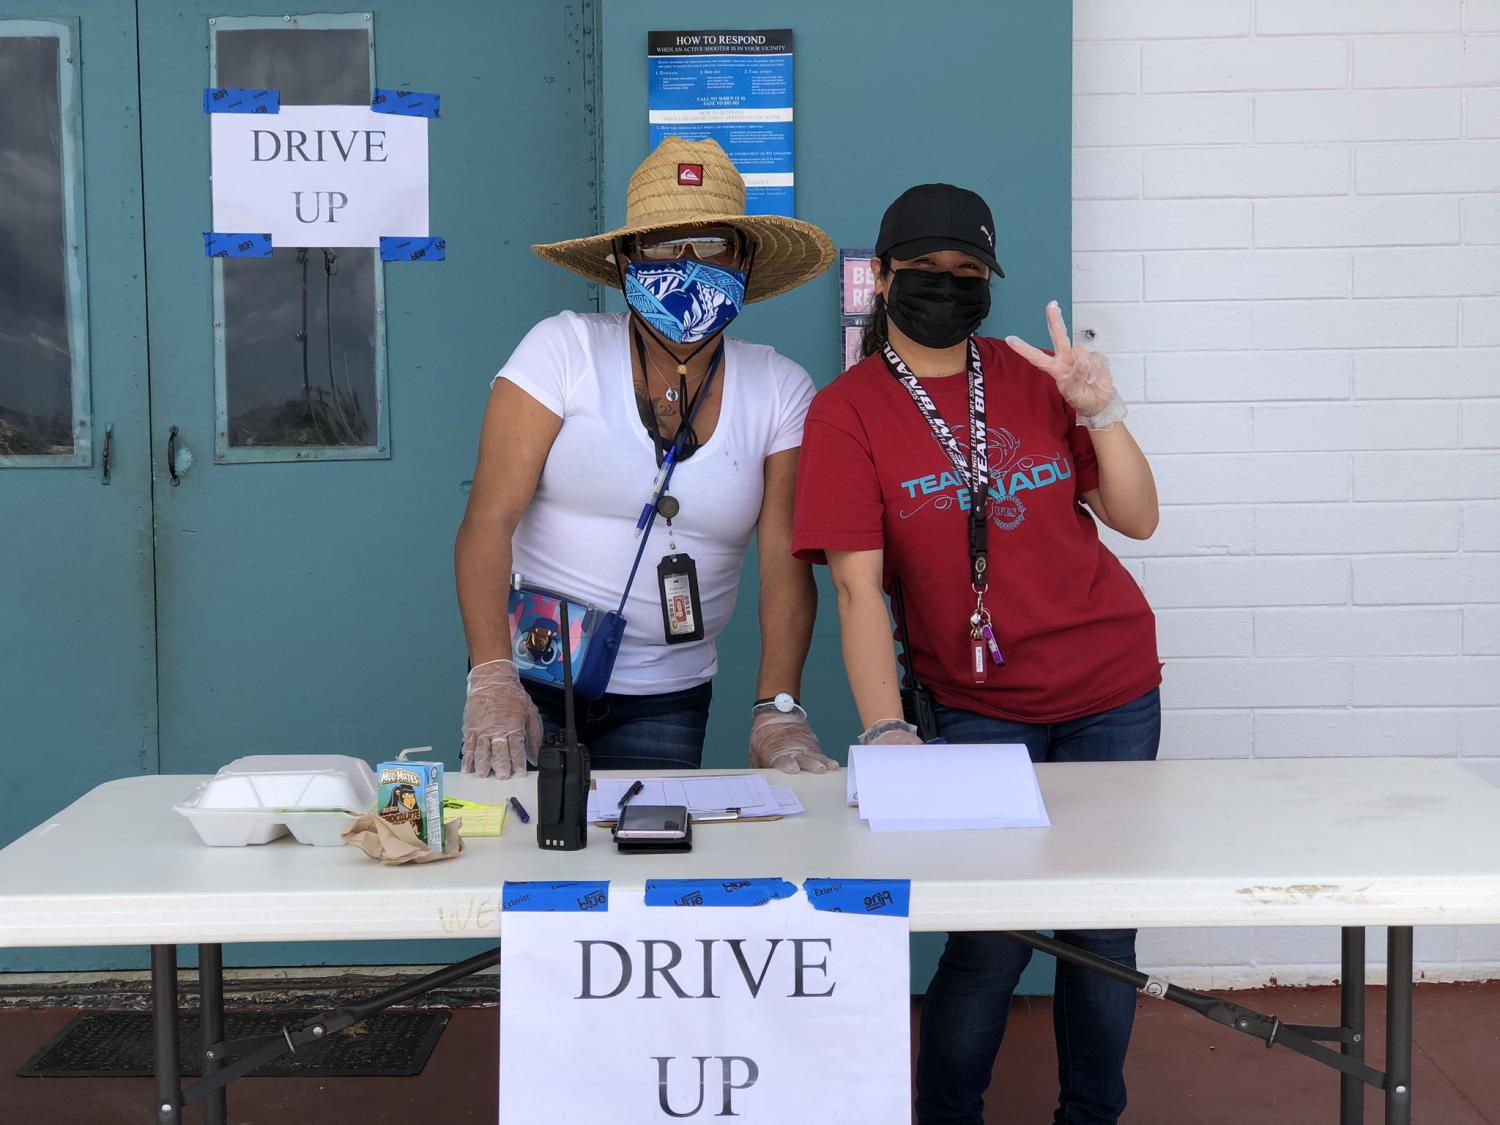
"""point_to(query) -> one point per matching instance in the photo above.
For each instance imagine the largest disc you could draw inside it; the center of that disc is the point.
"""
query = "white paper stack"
(750, 794)
(939, 787)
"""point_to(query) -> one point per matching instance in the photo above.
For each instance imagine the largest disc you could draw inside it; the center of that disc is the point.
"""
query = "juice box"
(412, 793)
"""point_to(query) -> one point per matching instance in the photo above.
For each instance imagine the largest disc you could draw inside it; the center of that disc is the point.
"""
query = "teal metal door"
(327, 404)
(77, 644)
(268, 567)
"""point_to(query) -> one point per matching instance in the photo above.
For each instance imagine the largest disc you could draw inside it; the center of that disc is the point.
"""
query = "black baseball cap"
(932, 217)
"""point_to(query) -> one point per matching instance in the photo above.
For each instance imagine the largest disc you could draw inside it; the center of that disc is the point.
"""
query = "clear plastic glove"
(890, 732)
(502, 726)
(782, 740)
(1082, 376)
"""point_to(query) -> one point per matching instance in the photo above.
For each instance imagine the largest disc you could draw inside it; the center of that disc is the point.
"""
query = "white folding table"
(1350, 842)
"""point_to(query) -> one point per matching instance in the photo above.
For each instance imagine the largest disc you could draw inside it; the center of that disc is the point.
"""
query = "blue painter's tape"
(861, 896)
(413, 249)
(716, 892)
(408, 103)
(218, 244)
(551, 898)
(222, 99)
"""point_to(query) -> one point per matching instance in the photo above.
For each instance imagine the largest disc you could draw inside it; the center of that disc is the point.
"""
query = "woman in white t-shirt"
(580, 420)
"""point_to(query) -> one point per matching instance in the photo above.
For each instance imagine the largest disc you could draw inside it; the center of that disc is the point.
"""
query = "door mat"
(121, 1045)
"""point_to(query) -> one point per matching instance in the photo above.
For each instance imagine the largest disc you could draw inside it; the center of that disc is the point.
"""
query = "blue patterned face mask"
(686, 301)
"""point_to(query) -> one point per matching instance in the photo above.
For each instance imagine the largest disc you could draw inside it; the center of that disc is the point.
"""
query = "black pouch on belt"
(917, 705)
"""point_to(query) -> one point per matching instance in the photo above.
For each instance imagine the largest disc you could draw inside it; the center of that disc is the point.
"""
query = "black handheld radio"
(562, 783)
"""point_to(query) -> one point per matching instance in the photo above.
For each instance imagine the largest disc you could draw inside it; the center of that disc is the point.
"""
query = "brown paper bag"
(395, 844)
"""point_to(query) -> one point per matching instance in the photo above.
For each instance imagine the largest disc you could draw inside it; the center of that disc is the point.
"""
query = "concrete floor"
(1182, 1070)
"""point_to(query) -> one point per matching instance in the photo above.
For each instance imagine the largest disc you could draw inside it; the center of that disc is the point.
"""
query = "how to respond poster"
(736, 87)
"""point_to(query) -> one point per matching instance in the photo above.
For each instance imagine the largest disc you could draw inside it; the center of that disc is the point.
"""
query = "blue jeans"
(963, 1018)
(635, 732)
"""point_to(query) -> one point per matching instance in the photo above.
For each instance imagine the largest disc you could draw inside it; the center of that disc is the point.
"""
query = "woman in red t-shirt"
(1023, 627)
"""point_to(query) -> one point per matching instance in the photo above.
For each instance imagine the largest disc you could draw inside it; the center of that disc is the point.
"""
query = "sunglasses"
(719, 249)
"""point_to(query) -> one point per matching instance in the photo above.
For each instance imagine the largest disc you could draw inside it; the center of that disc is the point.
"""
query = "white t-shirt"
(578, 535)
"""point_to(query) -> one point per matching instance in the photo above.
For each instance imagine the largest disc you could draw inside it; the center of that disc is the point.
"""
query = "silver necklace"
(671, 393)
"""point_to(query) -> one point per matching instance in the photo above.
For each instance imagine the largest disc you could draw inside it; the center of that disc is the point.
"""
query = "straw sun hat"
(693, 184)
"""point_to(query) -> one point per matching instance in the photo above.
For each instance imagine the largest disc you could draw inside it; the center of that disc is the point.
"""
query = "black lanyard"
(685, 440)
(975, 473)
(665, 467)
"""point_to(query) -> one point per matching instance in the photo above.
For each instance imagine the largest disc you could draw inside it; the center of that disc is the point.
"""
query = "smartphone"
(652, 822)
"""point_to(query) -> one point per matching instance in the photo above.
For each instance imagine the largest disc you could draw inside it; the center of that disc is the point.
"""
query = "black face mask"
(937, 310)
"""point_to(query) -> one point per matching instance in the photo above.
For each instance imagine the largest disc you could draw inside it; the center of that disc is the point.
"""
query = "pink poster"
(858, 283)
(856, 297)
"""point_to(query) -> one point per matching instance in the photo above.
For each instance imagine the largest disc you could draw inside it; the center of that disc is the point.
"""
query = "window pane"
(299, 327)
(300, 348)
(36, 359)
(308, 67)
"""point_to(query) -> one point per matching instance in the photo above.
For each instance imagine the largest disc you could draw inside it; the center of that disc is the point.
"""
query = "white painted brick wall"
(1457, 375)
(1426, 61)
(1354, 221)
(1442, 168)
(1481, 321)
(1342, 529)
(1210, 171)
(1481, 526)
(1364, 115)
(1471, 475)
(1481, 219)
(1450, 271)
(1346, 17)
(1287, 237)
(1481, 425)
(1482, 630)
(1371, 632)
(1482, 113)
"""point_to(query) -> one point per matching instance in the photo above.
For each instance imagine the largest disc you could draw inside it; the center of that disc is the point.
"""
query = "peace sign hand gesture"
(1082, 376)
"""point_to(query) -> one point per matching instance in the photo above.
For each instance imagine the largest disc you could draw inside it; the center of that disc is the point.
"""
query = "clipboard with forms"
(708, 798)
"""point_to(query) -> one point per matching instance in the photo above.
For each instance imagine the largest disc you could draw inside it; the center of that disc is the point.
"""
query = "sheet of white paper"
(944, 787)
(787, 802)
(320, 175)
(750, 793)
(819, 1003)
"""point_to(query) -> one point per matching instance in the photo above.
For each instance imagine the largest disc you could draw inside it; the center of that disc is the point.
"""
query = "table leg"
(1352, 1020)
(1398, 989)
(211, 1021)
(164, 1018)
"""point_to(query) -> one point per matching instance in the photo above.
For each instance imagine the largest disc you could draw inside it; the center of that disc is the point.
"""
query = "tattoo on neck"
(664, 412)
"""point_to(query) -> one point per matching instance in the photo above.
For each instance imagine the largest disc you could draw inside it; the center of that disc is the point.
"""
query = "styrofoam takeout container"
(254, 800)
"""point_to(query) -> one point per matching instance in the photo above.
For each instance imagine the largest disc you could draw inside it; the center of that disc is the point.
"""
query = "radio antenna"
(567, 654)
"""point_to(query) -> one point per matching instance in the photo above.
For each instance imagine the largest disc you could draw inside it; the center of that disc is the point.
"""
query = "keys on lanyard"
(981, 641)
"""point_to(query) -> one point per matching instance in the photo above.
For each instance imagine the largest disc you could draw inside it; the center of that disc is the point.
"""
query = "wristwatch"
(783, 701)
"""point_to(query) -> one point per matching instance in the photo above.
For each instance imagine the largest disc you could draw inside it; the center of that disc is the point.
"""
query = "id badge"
(681, 615)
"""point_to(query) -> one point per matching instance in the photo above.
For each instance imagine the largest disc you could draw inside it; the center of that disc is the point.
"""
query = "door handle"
(109, 435)
(172, 456)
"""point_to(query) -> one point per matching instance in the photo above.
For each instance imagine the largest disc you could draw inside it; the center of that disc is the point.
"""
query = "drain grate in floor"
(120, 1044)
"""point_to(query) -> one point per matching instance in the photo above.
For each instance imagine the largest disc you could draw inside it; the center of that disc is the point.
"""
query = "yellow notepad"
(479, 819)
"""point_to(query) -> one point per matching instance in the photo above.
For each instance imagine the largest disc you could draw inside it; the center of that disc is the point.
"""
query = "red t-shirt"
(1076, 631)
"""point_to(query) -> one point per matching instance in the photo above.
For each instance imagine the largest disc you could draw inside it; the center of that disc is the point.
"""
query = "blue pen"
(656, 486)
(520, 811)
